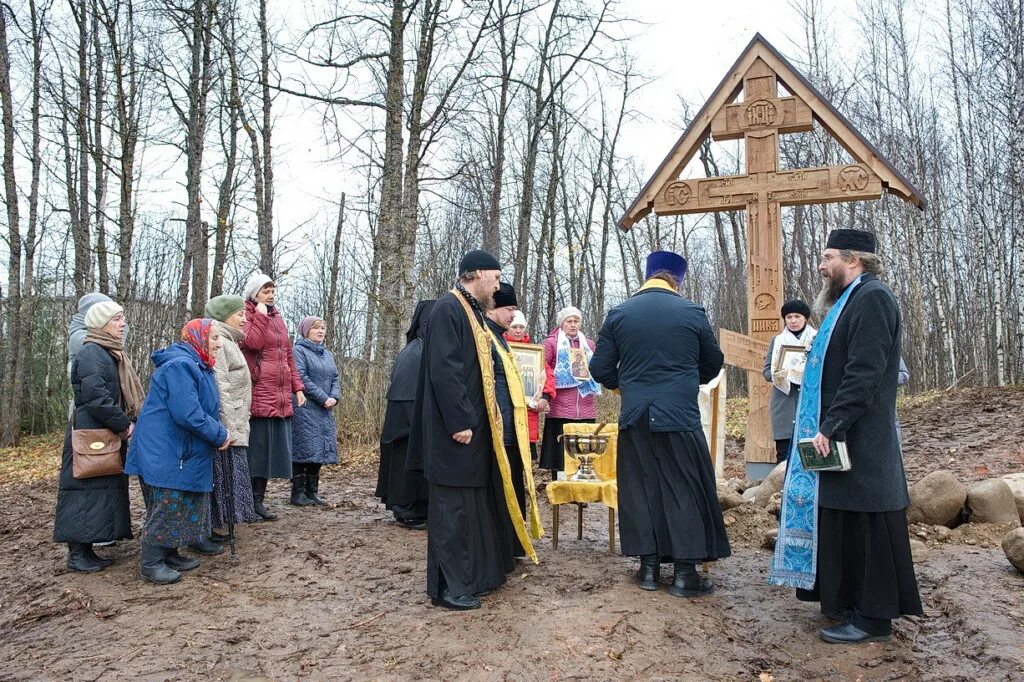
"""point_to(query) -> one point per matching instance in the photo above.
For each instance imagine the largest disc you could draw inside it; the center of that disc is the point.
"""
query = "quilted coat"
(314, 432)
(268, 351)
(234, 383)
(93, 509)
(179, 426)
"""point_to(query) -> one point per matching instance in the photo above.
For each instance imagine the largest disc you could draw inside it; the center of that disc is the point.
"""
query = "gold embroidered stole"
(485, 340)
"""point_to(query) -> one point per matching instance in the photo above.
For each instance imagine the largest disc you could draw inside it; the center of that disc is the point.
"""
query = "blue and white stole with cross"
(796, 549)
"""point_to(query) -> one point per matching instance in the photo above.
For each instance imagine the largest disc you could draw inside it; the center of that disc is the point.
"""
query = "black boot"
(313, 484)
(101, 560)
(688, 583)
(154, 568)
(298, 497)
(259, 489)
(178, 562)
(650, 571)
(205, 546)
(79, 559)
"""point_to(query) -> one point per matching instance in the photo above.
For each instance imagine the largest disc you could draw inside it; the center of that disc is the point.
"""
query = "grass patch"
(36, 458)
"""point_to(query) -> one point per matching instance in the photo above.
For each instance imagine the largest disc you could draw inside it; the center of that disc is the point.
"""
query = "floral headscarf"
(196, 333)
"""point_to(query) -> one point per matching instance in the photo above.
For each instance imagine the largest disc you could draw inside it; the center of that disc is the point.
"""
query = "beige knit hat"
(101, 313)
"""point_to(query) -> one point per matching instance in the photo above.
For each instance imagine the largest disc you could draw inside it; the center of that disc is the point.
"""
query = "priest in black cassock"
(458, 423)
(864, 575)
(656, 348)
(401, 488)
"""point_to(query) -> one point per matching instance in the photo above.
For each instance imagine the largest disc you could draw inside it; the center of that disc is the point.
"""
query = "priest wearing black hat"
(786, 380)
(458, 425)
(863, 575)
(657, 348)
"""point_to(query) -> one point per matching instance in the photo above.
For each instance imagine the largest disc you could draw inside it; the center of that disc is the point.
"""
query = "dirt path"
(338, 594)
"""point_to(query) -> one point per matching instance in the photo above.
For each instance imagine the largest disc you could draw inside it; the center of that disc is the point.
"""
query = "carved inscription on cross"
(759, 120)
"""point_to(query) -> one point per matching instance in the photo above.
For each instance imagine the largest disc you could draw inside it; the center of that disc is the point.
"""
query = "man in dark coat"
(401, 489)
(865, 574)
(657, 348)
(452, 423)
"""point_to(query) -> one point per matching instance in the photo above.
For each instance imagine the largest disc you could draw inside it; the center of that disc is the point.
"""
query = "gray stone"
(992, 501)
(750, 493)
(1016, 483)
(918, 550)
(728, 499)
(1013, 547)
(771, 485)
(936, 499)
(774, 505)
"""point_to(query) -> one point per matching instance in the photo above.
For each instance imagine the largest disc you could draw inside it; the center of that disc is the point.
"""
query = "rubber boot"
(298, 497)
(205, 546)
(153, 567)
(101, 560)
(650, 571)
(259, 489)
(178, 562)
(688, 583)
(313, 484)
(80, 561)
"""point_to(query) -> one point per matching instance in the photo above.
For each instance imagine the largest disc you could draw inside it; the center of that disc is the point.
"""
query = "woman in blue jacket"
(314, 433)
(172, 449)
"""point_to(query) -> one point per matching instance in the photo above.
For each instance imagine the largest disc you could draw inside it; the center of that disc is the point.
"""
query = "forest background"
(162, 150)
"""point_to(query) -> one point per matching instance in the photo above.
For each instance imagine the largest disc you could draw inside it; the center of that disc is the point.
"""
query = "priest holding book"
(843, 538)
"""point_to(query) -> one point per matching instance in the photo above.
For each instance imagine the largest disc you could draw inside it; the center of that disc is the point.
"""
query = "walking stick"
(230, 498)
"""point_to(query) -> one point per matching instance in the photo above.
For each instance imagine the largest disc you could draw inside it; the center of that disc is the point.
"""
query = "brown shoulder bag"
(94, 452)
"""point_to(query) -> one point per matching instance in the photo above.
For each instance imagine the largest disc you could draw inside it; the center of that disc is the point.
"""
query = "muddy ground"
(337, 593)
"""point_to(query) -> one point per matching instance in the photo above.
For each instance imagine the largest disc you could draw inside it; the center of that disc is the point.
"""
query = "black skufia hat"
(478, 260)
(505, 296)
(845, 239)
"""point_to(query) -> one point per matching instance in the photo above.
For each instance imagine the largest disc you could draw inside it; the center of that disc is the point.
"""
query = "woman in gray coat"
(234, 383)
(314, 432)
(786, 382)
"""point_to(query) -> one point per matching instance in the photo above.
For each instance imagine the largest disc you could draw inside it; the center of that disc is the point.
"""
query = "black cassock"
(668, 500)
(401, 489)
(466, 544)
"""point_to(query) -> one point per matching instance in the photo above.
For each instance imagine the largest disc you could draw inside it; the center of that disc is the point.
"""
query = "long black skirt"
(668, 501)
(270, 447)
(231, 472)
(551, 454)
(398, 487)
(467, 546)
(864, 564)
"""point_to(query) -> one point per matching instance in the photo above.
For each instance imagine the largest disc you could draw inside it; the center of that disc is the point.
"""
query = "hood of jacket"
(176, 351)
(317, 348)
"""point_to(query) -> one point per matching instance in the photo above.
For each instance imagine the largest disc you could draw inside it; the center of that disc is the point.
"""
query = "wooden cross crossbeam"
(759, 119)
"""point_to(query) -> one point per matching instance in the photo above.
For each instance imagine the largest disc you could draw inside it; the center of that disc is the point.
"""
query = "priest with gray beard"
(863, 575)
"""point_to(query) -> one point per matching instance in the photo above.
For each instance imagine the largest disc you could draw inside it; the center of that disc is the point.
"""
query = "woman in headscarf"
(268, 351)
(786, 381)
(107, 395)
(314, 432)
(231, 497)
(567, 352)
(172, 451)
(402, 490)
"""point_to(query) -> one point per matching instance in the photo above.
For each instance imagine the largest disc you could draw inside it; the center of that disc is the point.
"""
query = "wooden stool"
(579, 525)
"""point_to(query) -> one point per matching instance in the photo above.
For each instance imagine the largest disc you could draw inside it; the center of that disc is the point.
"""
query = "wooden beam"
(827, 184)
(786, 114)
(742, 351)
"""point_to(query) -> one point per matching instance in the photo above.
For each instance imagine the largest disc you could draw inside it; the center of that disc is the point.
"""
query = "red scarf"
(196, 333)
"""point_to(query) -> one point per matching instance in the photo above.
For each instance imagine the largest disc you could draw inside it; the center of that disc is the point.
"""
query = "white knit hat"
(518, 318)
(567, 312)
(256, 281)
(101, 313)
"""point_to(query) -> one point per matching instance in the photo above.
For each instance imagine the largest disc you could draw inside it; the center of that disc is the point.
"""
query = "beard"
(830, 292)
(486, 301)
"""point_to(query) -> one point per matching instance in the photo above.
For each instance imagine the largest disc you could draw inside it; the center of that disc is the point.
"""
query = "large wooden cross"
(759, 119)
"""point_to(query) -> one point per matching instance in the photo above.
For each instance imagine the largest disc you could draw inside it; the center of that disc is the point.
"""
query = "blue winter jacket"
(179, 427)
(314, 433)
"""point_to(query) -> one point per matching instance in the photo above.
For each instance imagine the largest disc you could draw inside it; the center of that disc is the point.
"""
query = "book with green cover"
(838, 458)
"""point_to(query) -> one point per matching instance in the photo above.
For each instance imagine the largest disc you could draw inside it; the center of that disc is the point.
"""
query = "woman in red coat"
(538, 404)
(268, 352)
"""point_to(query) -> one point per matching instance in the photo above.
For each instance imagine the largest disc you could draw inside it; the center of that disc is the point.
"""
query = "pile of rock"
(939, 499)
(765, 496)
